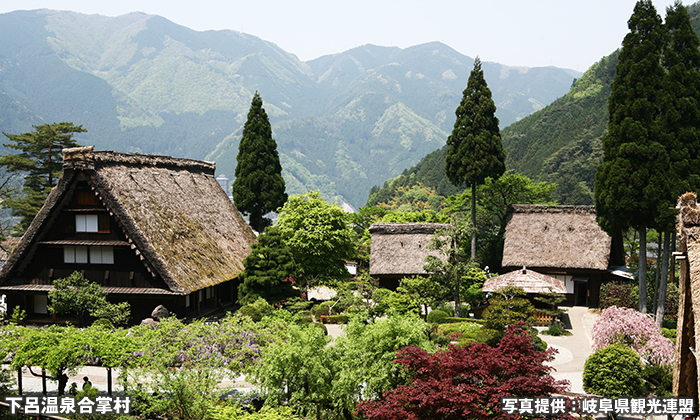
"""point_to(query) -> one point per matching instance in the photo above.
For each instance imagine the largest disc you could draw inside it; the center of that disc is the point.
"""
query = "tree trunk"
(643, 269)
(458, 277)
(657, 279)
(473, 253)
(661, 299)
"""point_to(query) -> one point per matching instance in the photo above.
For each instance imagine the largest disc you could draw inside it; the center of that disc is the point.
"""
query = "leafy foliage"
(425, 291)
(466, 381)
(633, 329)
(77, 295)
(450, 272)
(622, 295)
(40, 159)
(268, 270)
(319, 237)
(507, 308)
(614, 371)
(299, 371)
(464, 332)
(259, 187)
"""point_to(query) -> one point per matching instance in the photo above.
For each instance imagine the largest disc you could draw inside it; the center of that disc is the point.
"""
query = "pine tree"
(633, 182)
(267, 270)
(259, 187)
(40, 159)
(474, 150)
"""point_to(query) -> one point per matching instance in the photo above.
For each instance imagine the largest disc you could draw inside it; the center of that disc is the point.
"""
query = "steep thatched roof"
(555, 237)
(174, 213)
(528, 280)
(401, 248)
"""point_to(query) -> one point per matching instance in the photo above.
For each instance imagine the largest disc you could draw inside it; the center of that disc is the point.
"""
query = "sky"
(570, 34)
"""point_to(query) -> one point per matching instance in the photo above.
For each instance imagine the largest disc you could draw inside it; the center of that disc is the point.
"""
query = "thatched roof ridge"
(399, 249)
(173, 212)
(394, 228)
(87, 157)
(555, 237)
(528, 280)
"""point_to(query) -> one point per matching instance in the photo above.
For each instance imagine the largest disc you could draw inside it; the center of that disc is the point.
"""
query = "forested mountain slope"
(344, 122)
(561, 143)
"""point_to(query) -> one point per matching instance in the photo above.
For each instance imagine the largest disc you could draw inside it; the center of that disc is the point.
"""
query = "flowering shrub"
(635, 330)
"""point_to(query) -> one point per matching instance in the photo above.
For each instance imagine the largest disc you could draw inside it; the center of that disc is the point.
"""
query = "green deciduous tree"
(299, 372)
(635, 172)
(319, 237)
(40, 160)
(450, 270)
(79, 296)
(268, 270)
(474, 150)
(259, 187)
(424, 290)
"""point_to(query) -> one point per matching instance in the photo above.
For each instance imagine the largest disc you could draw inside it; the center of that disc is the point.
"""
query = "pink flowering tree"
(635, 330)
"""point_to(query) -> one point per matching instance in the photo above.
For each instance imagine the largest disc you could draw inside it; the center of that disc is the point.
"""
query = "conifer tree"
(268, 268)
(633, 182)
(681, 126)
(40, 159)
(474, 150)
(259, 187)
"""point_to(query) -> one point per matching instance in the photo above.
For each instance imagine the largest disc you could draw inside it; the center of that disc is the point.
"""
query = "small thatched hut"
(530, 281)
(686, 376)
(564, 242)
(398, 250)
(150, 229)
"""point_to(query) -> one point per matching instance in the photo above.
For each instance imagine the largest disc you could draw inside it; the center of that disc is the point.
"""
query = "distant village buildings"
(149, 229)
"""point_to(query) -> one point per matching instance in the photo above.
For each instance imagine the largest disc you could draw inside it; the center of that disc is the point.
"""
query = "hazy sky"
(563, 33)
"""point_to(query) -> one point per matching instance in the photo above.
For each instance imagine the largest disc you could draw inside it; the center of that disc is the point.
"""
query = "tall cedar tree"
(40, 159)
(268, 269)
(474, 150)
(681, 125)
(259, 187)
(633, 181)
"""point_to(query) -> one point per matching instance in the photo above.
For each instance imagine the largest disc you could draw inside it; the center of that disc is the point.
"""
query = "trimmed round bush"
(437, 317)
(251, 312)
(614, 371)
(322, 308)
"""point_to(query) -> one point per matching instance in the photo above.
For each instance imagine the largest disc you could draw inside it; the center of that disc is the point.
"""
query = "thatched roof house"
(528, 280)
(150, 229)
(564, 242)
(686, 376)
(399, 249)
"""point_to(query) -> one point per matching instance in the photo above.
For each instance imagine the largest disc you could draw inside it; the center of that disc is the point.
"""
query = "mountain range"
(560, 143)
(343, 122)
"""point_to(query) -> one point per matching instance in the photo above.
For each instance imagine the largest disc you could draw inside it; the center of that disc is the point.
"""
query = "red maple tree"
(468, 381)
